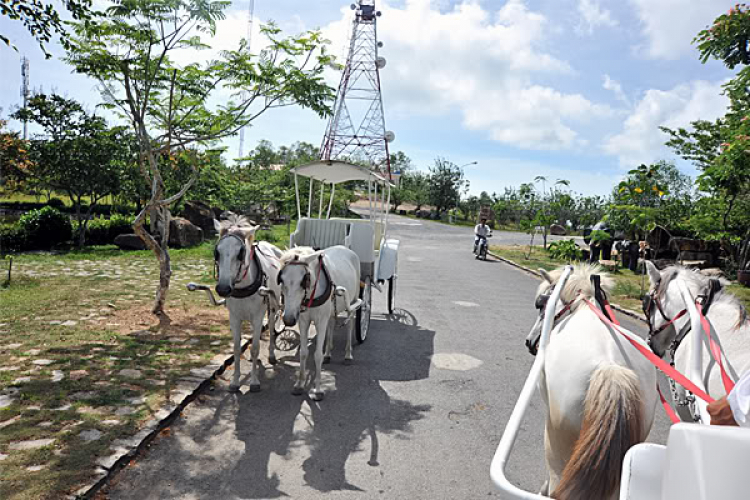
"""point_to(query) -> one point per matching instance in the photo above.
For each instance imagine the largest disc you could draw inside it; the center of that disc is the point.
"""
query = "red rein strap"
(715, 350)
(654, 359)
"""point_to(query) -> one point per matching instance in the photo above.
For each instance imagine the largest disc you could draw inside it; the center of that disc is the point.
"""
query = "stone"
(3, 457)
(31, 444)
(10, 421)
(21, 380)
(45, 424)
(129, 242)
(183, 233)
(201, 215)
(15, 345)
(110, 422)
(557, 230)
(57, 375)
(55, 322)
(43, 362)
(77, 396)
(70, 322)
(90, 435)
(33, 352)
(130, 373)
(9, 368)
(78, 374)
(35, 468)
(125, 410)
(64, 407)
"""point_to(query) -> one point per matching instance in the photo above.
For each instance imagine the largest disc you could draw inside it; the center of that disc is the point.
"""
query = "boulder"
(129, 242)
(200, 214)
(183, 233)
(557, 230)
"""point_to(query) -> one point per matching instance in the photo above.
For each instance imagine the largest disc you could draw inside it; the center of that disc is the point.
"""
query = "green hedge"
(45, 228)
(102, 231)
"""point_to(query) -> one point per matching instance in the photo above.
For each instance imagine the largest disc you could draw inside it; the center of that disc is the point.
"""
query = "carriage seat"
(700, 462)
(320, 233)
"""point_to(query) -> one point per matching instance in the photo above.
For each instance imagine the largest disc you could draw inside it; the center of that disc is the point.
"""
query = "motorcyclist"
(481, 230)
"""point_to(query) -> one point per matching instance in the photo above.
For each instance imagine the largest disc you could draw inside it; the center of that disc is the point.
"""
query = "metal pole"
(500, 460)
(695, 369)
(296, 192)
(309, 200)
(376, 200)
(369, 195)
(330, 202)
(320, 205)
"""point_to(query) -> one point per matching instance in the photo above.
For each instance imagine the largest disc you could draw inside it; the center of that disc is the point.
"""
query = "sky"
(567, 89)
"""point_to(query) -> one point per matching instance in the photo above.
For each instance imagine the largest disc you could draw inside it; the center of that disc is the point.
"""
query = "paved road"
(418, 415)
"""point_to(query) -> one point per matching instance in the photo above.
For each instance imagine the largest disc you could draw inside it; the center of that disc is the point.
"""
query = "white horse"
(315, 286)
(246, 272)
(726, 315)
(599, 390)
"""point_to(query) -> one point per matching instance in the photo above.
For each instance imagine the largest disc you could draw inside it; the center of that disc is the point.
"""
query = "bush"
(45, 228)
(12, 239)
(102, 231)
(566, 250)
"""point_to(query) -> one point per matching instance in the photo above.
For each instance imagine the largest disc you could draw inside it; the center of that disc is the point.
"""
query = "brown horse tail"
(612, 423)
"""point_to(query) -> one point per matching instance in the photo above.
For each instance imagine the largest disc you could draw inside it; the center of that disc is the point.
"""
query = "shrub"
(566, 250)
(12, 239)
(45, 228)
(102, 231)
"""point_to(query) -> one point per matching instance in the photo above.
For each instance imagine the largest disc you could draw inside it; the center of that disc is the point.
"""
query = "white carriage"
(367, 237)
(699, 462)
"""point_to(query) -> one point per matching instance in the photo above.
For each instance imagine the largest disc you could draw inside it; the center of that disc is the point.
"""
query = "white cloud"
(641, 141)
(593, 16)
(669, 26)
(489, 65)
(616, 88)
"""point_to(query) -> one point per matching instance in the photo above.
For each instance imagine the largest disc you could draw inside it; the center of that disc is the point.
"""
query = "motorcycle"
(480, 247)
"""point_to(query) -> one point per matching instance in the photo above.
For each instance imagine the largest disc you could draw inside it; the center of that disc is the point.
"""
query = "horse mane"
(697, 283)
(579, 282)
(294, 254)
(238, 224)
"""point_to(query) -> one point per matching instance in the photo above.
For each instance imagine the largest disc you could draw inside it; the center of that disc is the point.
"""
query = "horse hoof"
(348, 361)
(272, 361)
(297, 391)
(254, 387)
(326, 360)
(234, 388)
(316, 396)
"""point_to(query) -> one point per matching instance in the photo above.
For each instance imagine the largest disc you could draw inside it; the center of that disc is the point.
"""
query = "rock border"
(627, 312)
(188, 388)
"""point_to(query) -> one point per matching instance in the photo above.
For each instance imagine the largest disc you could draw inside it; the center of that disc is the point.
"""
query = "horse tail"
(613, 421)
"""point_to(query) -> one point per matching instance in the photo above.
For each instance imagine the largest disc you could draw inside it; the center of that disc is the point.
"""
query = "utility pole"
(249, 38)
(25, 91)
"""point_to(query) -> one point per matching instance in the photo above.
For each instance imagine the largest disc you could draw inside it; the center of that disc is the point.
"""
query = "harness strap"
(715, 350)
(601, 298)
(653, 358)
(313, 302)
(260, 277)
(667, 407)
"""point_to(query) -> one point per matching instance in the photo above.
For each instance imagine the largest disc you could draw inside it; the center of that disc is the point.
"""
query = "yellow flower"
(638, 190)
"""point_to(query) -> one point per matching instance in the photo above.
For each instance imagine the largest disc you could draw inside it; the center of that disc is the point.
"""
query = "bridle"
(652, 300)
(260, 277)
(541, 305)
(309, 300)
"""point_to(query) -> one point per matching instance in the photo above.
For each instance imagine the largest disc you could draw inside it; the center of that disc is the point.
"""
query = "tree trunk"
(159, 217)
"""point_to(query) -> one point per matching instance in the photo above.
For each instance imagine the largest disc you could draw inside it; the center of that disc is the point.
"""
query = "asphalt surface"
(418, 415)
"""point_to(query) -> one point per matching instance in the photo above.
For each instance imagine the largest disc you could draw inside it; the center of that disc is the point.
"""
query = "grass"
(105, 294)
(626, 293)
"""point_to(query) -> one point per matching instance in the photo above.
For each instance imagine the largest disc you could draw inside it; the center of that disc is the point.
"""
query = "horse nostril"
(223, 290)
(290, 321)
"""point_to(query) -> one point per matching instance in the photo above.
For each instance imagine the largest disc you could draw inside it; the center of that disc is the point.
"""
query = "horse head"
(295, 279)
(231, 255)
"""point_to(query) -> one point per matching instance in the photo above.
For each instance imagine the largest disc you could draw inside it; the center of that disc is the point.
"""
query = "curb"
(627, 312)
(187, 389)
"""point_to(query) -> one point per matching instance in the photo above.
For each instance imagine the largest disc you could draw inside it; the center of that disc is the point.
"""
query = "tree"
(169, 106)
(77, 154)
(402, 164)
(41, 19)
(14, 158)
(446, 181)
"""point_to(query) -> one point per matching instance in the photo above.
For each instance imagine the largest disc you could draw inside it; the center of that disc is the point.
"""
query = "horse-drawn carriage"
(699, 462)
(367, 237)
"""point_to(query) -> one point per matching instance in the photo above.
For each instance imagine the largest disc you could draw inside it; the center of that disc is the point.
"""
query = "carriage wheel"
(363, 313)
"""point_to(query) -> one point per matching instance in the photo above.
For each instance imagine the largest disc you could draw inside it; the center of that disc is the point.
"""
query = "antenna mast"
(249, 38)
(25, 92)
(356, 130)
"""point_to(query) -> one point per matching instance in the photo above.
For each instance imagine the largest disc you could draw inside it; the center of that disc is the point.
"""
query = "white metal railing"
(695, 368)
(499, 461)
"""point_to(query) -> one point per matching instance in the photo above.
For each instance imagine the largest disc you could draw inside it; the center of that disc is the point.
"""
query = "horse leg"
(272, 335)
(255, 349)
(235, 324)
(348, 357)
(322, 327)
(329, 341)
(304, 326)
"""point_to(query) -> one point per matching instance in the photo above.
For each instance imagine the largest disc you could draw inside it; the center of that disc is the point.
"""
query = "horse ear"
(654, 276)
(545, 275)
(249, 232)
(219, 228)
(310, 258)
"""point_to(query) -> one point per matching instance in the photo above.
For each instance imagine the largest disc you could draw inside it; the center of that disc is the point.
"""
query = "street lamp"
(472, 163)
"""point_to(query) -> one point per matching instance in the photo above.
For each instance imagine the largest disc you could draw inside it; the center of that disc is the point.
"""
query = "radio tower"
(250, 14)
(356, 129)
(25, 91)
